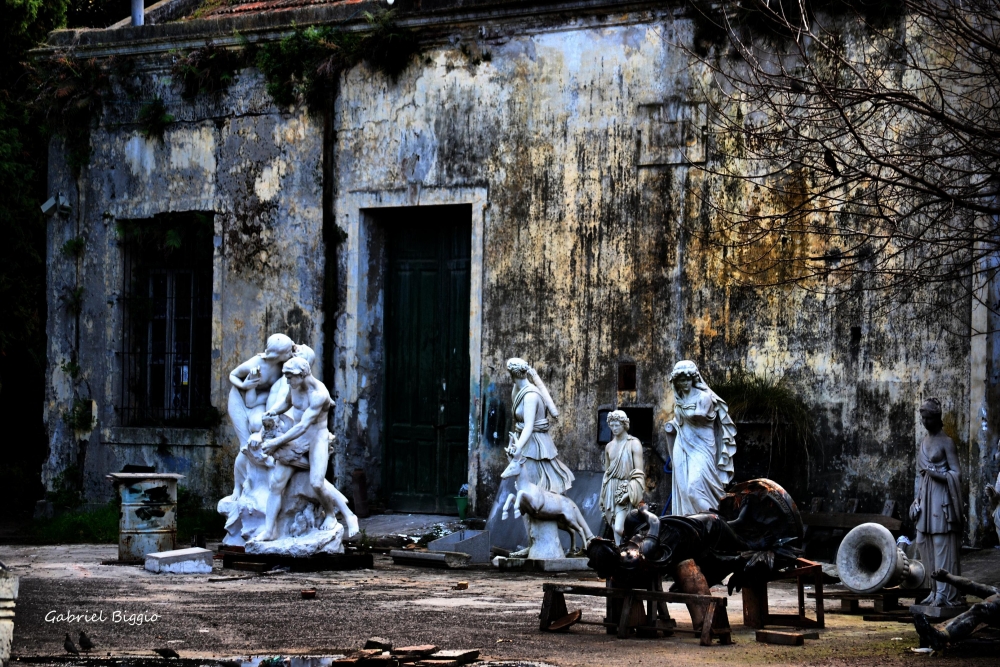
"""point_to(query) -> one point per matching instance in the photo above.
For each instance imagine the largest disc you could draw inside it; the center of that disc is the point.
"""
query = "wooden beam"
(847, 520)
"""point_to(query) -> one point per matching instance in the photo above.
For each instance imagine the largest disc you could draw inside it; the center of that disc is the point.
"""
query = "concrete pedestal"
(8, 595)
(544, 537)
(181, 561)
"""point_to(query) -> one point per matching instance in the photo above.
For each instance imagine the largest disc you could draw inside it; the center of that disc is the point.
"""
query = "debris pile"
(380, 652)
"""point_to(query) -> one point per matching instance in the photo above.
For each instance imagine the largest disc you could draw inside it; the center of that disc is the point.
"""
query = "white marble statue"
(624, 480)
(545, 511)
(937, 510)
(535, 462)
(993, 496)
(281, 501)
(701, 439)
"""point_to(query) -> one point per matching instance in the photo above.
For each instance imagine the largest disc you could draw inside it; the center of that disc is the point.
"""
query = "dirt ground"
(132, 611)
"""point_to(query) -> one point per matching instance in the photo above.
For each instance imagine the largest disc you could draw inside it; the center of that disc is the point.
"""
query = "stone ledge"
(154, 435)
(168, 36)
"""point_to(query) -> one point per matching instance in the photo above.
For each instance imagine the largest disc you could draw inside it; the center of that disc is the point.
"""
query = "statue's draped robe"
(542, 466)
(939, 524)
(702, 456)
(621, 468)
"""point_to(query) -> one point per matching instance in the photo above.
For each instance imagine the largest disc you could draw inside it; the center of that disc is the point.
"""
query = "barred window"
(167, 327)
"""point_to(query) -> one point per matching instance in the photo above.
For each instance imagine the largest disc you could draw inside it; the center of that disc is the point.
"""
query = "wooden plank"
(563, 623)
(755, 605)
(462, 655)
(848, 520)
(706, 625)
(625, 617)
(783, 638)
(687, 598)
(553, 607)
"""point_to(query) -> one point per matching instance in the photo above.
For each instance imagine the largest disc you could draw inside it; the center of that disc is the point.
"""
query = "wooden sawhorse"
(756, 613)
(554, 608)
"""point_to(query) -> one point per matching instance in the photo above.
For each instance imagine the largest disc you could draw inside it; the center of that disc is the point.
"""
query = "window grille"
(167, 324)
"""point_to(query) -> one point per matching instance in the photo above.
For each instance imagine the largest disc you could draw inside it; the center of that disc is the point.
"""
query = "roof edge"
(161, 37)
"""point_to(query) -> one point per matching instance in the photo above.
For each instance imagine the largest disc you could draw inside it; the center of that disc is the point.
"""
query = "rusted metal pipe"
(138, 12)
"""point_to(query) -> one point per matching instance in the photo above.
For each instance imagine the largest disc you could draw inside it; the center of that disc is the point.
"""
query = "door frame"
(355, 358)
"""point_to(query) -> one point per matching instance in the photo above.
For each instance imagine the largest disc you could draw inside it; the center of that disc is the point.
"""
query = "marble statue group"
(701, 441)
(281, 501)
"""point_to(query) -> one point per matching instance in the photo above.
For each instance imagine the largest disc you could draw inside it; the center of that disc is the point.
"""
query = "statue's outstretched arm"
(967, 586)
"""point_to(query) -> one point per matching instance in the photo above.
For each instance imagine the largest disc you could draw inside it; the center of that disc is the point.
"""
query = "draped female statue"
(701, 439)
(531, 440)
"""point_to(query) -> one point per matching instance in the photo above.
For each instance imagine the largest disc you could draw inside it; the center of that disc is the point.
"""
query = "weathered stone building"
(528, 186)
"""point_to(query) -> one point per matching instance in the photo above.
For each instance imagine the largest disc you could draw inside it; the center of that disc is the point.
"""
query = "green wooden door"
(427, 357)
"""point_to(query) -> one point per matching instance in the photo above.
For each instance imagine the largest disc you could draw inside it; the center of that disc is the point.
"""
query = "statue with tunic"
(624, 482)
(531, 441)
(282, 502)
(937, 509)
(540, 477)
(701, 439)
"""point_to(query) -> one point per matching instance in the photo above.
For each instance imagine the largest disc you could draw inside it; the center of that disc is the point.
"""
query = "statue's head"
(279, 348)
(513, 469)
(304, 351)
(618, 417)
(296, 369)
(930, 414)
(686, 369)
(518, 368)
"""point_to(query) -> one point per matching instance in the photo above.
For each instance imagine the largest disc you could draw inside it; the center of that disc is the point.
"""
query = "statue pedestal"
(544, 538)
(302, 546)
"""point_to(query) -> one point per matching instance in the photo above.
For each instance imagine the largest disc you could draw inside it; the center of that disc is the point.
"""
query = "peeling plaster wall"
(259, 170)
(587, 261)
(585, 250)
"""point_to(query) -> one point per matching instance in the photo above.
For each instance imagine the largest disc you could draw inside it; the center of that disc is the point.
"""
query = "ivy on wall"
(71, 94)
(307, 64)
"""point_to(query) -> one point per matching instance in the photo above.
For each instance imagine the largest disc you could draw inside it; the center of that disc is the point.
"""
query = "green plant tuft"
(73, 298)
(153, 119)
(74, 247)
(81, 416)
(307, 64)
(208, 70)
(769, 400)
(70, 368)
(99, 526)
(70, 98)
(67, 489)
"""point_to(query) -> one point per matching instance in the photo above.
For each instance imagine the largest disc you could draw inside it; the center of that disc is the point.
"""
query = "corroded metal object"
(148, 519)
(868, 560)
(748, 537)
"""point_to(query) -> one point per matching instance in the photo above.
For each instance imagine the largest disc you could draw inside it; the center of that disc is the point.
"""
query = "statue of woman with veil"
(701, 439)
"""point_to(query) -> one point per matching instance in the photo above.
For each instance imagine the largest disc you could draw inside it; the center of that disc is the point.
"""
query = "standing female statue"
(701, 439)
(531, 442)
(937, 511)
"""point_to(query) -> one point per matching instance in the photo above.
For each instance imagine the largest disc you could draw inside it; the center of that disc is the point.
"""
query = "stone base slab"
(939, 613)
(540, 564)
(180, 561)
